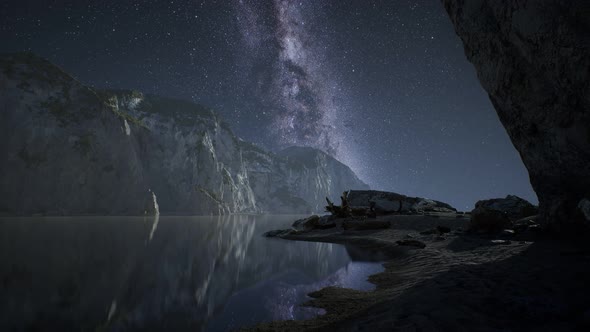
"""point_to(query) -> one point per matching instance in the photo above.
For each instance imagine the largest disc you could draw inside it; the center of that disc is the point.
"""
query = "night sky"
(383, 86)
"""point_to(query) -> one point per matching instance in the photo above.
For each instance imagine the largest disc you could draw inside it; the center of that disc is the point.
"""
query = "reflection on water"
(192, 273)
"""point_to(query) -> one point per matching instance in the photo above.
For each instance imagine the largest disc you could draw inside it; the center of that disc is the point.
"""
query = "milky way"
(382, 85)
(296, 85)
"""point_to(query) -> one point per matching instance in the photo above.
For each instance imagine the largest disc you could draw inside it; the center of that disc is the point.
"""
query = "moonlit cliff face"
(74, 144)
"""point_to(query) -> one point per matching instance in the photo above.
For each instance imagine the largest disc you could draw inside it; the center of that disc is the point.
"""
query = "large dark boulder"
(314, 222)
(533, 59)
(513, 207)
(388, 202)
(584, 207)
(488, 221)
(496, 214)
(308, 223)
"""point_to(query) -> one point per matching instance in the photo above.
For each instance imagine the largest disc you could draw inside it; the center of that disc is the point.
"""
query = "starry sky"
(383, 86)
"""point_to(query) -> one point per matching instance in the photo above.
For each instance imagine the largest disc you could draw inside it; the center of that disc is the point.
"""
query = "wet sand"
(458, 282)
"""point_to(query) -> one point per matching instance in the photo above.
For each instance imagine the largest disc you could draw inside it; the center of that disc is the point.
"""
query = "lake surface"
(167, 273)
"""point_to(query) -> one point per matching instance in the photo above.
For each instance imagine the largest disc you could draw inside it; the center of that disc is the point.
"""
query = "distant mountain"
(69, 149)
(297, 178)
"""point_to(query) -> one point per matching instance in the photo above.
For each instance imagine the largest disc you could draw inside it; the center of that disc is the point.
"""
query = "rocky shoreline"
(442, 273)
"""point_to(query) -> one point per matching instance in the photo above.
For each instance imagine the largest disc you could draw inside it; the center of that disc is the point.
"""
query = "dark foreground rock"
(411, 243)
(533, 59)
(462, 282)
(495, 215)
(326, 222)
(584, 207)
(314, 222)
(306, 223)
(488, 221)
(365, 224)
(438, 230)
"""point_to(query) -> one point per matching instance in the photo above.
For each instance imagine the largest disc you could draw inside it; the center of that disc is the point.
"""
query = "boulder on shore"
(389, 202)
(494, 215)
(512, 206)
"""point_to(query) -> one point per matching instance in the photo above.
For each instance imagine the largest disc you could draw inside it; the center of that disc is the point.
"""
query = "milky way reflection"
(90, 273)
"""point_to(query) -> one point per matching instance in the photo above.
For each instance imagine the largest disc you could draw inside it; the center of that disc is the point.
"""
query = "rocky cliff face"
(193, 160)
(320, 175)
(533, 59)
(69, 149)
(282, 180)
(63, 149)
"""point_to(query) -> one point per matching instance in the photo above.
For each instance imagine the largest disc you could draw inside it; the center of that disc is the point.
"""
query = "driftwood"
(341, 211)
(372, 213)
(345, 210)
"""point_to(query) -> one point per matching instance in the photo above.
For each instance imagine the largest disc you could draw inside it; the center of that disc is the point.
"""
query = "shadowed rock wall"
(533, 59)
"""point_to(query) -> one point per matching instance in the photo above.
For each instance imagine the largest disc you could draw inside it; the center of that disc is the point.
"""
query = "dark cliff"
(533, 59)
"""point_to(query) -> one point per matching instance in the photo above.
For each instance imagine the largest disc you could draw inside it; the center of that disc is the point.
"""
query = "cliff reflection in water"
(192, 272)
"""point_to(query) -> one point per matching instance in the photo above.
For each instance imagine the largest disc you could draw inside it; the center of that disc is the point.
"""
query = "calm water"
(174, 273)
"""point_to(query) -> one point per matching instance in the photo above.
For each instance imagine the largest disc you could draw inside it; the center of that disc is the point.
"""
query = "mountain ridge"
(70, 149)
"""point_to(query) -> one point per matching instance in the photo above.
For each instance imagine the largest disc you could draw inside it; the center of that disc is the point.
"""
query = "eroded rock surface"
(494, 215)
(584, 207)
(533, 59)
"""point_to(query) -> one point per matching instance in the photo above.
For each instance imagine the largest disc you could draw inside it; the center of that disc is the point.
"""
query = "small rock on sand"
(443, 229)
(500, 242)
(508, 232)
(411, 243)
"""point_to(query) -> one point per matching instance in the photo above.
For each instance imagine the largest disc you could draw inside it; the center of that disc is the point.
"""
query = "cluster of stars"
(383, 86)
